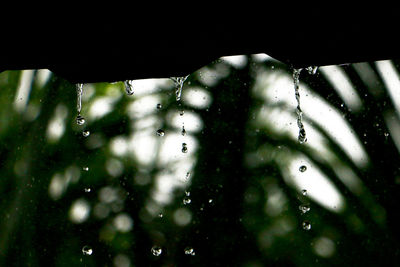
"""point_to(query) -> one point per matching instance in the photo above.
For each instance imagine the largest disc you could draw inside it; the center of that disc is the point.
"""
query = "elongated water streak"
(302, 132)
(79, 90)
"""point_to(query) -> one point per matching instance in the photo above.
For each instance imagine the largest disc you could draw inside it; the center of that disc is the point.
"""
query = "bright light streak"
(343, 86)
(391, 80)
(23, 90)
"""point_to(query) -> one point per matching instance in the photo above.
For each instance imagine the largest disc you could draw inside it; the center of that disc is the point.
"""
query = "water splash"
(302, 132)
(79, 91)
(178, 81)
(128, 87)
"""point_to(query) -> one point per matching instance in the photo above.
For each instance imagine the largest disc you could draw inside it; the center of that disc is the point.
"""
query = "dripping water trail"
(79, 90)
(302, 132)
(178, 81)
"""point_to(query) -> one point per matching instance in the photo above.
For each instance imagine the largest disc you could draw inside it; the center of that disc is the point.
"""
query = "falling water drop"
(178, 81)
(312, 70)
(87, 250)
(128, 87)
(187, 176)
(156, 251)
(189, 251)
(160, 132)
(187, 193)
(80, 120)
(79, 91)
(306, 225)
(304, 208)
(302, 132)
(181, 112)
(304, 192)
(184, 148)
(85, 168)
(186, 200)
(88, 190)
(159, 106)
(302, 168)
(183, 131)
(86, 133)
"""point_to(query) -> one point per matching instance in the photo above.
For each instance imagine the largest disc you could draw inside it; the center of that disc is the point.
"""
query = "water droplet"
(304, 192)
(181, 112)
(86, 133)
(303, 168)
(159, 106)
(210, 200)
(178, 81)
(312, 70)
(160, 215)
(302, 132)
(187, 193)
(85, 168)
(128, 87)
(304, 208)
(80, 120)
(186, 201)
(386, 134)
(187, 176)
(88, 190)
(184, 148)
(306, 225)
(87, 250)
(183, 131)
(160, 132)
(189, 251)
(156, 251)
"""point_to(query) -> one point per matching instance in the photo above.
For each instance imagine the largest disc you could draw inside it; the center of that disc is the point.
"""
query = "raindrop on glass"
(80, 120)
(86, 133)
(306, 225)
(304, 192)
(178, 81)
(189, 251)
(303, 168)
(302, 132)
(159, 106)
(160, 132)
(156, 250)
(87, 250)
(186, 201)
(128, 87)
(184, 148)
(85, 169)
(304, 208)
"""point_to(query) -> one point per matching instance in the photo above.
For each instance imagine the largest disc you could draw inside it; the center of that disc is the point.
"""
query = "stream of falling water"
(79, 90)
(302, 132)
(178, 81)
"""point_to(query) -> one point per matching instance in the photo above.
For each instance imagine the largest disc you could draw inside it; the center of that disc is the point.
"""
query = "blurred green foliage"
(244, 209)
